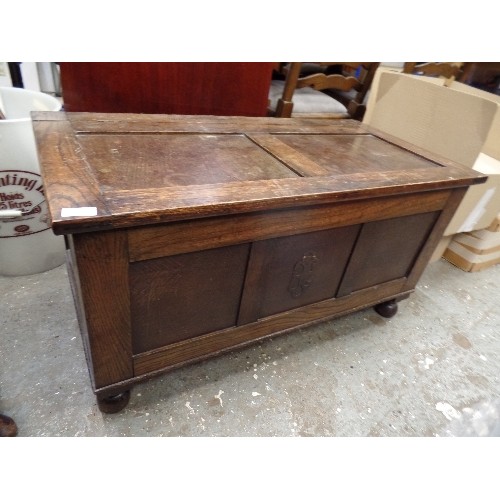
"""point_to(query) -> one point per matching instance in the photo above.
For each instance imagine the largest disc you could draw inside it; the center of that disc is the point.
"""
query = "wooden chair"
(448, 70)
(322, 90)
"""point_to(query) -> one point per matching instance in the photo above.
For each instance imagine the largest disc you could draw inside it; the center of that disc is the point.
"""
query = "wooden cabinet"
(203, 88)
(188, 236)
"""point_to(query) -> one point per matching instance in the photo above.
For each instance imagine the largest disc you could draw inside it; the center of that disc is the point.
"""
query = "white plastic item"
(27, 244)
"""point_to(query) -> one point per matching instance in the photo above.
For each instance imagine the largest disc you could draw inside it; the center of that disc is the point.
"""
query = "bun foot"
(8, 427)
(387, 309)
(115, 403)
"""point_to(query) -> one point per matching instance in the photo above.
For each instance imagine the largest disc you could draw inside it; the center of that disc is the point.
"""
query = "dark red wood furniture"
(202, 88)
(194, 235)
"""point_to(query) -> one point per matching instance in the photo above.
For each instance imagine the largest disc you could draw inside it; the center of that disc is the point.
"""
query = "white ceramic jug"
(27, 244)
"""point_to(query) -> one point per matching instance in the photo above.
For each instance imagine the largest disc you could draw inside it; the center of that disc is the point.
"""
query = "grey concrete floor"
(431, 370)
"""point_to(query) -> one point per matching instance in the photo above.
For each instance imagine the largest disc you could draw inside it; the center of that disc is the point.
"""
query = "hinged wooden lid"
(122, 170)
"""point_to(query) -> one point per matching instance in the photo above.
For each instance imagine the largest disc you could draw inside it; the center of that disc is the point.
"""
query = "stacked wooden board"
(476, 250)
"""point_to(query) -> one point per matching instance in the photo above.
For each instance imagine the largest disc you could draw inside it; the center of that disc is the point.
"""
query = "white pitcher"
(27, 243)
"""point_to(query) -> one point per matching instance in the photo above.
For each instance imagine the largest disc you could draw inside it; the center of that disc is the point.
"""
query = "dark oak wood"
(373, 261)
(113, 403)
(102, 264)
(387, 309)
(121, 162)
(183, 296)
(155, 241)
(203, 88)
(213, 232)
(117, 207)
(218, 342)
(435, 236)
(297, 270)
(59, 145)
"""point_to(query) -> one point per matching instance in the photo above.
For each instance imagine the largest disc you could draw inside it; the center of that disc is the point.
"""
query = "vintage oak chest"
(188, 236)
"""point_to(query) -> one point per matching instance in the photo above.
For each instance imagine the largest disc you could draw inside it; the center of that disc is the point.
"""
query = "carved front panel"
(294, 271)
(302, 275)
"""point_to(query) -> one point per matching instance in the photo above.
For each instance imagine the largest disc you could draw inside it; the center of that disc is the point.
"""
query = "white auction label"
(78, 212)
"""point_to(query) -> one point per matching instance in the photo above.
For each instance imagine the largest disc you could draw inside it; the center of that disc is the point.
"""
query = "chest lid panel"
(134, 169)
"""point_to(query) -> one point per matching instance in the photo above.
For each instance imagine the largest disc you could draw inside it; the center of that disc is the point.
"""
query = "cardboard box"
(474, 251)
(495, 225)
(458, 122)
(480, 242)
(482, 202)
(469, 261)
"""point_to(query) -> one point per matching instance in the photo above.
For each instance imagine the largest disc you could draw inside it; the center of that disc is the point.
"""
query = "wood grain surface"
(214, 232)
(102, 265)
(146, 169)
(205, 88)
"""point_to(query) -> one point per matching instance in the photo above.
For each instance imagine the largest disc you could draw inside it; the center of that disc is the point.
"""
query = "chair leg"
(356, 110)
(284, 109)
